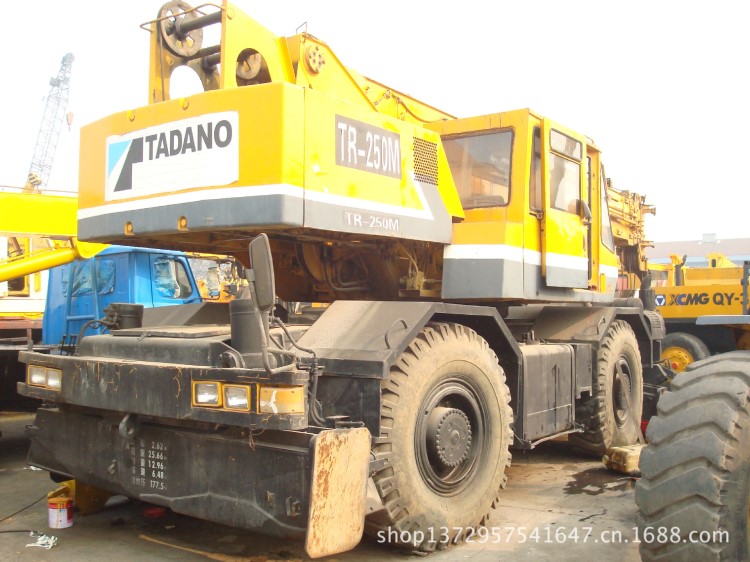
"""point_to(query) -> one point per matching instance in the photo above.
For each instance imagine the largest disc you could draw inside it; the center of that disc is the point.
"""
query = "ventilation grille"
(425, 161)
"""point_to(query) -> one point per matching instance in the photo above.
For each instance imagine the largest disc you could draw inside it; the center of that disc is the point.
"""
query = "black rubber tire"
(453, 362)
(691, 345)
(696, 467)
(608, 422)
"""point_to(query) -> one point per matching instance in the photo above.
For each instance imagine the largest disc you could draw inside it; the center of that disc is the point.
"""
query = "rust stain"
(337, 501)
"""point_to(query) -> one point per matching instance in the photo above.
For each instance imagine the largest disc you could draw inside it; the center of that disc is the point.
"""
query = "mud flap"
(340, 462)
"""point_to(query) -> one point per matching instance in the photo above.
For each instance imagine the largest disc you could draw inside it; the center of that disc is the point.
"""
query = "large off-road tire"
(680, 349)
(696, 467)
(445, 438)
(612, 415)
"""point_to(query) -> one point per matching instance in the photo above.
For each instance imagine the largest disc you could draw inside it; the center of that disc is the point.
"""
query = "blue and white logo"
(121, 156)
(197, 152)
(661, 300)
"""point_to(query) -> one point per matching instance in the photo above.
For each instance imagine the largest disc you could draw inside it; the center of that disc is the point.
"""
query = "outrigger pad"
(340, 462)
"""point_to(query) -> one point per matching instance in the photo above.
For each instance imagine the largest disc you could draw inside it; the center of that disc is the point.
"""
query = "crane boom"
(49, 131)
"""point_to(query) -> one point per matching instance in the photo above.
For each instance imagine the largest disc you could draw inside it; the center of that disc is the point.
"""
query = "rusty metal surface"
(549, 488)
(337, 492)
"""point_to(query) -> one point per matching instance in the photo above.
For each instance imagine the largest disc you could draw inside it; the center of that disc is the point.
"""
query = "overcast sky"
(661, 86)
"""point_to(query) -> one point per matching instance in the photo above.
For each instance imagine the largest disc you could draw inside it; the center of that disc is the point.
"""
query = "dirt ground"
(558, 505)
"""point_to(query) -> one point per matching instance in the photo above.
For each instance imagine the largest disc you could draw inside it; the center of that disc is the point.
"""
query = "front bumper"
(281, 483)
(160, 390)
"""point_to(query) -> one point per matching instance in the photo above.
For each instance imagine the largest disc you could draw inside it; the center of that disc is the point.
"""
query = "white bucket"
(60, 512)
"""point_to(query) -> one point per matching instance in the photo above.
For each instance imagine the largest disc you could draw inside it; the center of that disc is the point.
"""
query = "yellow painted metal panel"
(324, 176)
(711, 275)
(241, 32)
(38, 214)
(270, 135)
(700, 300)
(493, 231)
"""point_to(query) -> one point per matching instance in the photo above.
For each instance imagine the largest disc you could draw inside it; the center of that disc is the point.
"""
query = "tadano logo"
(133, 154)
(197, 152)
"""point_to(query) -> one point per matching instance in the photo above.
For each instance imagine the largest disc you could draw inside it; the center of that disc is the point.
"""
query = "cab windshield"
(480, 165)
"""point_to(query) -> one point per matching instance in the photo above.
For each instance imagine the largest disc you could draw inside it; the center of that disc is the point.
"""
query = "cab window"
(565, 172)
(607, 237)
(535, 173)
(481, 167)
(82, 283)
(171, 280)
(18, 287)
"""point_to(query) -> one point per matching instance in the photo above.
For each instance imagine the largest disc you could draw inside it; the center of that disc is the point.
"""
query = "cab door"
(567, 214)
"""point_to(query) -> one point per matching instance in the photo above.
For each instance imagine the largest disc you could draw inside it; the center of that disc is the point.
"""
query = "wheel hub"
(677, 358)
(622, 393)
(449, 436)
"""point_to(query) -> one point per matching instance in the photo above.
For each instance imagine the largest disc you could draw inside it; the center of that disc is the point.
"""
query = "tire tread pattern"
(397, 515)
(695, 466)
(597, 435)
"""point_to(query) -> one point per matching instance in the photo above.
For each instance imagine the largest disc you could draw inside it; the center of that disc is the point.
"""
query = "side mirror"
(584, 211)
(262, 278)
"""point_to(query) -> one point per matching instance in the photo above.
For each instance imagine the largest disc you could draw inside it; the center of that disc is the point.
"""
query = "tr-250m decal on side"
(197, 152)
(367, 147)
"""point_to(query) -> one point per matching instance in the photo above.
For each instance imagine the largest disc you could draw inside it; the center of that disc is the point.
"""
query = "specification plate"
(150, 464)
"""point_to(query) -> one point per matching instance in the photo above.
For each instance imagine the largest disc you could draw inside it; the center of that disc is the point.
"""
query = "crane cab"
(537, 224)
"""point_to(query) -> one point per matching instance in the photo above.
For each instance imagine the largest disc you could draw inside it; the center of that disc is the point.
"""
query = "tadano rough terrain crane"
(471, 268)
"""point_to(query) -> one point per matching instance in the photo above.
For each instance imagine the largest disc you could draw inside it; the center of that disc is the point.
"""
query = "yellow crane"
(471, 268)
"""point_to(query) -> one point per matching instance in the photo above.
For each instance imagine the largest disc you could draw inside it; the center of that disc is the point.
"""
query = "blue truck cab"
(79, 291)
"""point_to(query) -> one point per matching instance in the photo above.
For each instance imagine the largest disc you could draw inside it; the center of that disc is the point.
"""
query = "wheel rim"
(451, 435)
(622, 391)
(677, 358)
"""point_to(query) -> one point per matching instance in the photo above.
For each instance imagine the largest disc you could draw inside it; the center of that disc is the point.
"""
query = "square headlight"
(236, 397)
(35, 375)
(206, 394)
(54, 379)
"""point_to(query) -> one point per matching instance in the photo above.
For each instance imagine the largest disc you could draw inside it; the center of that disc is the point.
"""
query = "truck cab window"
(480, 165)
(171, 279)
(105, 277)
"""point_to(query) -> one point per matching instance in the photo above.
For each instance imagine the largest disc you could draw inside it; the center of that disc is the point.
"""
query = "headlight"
(206, 394)
(54, 379)
(236, 397)
(36, 375)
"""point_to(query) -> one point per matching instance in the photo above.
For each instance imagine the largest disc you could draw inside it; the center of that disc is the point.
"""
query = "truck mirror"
(584, 211)
(261, 263)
